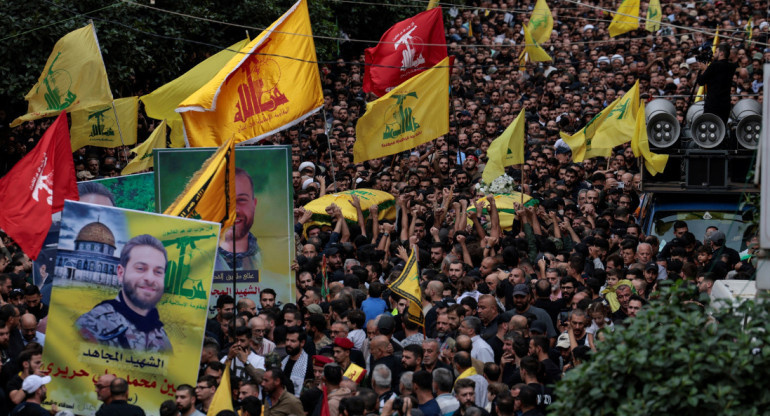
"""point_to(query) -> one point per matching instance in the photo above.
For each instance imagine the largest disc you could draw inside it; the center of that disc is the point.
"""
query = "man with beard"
(297, 363)
(259, 344)
(411, 358)
(278, 401)
(443, 328)
(244, 363)
(239, 238)
(521, 303)
(132, 320)
(185, 401)
(35, 391)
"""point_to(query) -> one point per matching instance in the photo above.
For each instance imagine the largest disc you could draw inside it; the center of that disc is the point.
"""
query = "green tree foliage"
(142, 48)
(676, 359)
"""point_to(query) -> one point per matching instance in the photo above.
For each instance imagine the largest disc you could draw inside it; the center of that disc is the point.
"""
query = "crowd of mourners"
(508, 308)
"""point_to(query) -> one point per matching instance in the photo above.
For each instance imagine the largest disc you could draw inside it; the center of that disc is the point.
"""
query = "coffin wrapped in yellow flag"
(385, 202)
(505, 207)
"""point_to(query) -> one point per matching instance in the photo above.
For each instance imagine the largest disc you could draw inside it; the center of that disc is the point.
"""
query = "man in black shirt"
(718, 78)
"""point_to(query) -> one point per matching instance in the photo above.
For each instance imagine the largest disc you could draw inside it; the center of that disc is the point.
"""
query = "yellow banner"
(223, 396)
(653, 16)
(73, 78)
(413, 113)
(98, 125)
(161, 104)
(143, 159)
(506, 150)
(626, 19)
(274, 84)
(210, 194)
(151, 341)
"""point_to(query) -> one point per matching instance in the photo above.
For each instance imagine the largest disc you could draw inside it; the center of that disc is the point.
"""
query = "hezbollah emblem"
(57, 84)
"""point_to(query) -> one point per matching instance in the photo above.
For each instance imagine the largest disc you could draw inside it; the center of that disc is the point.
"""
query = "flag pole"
(235, 275)
(329, 145)
(120, 133)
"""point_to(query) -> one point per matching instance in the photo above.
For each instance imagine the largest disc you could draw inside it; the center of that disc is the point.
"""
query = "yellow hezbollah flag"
(210, 194)
(653, 16)
(506, 150)
(626, 19)
(408, 287)
(223, 399)
(641, 146)
(143, 159)
(432, 4)
(98, 125)
(161, 104)
(701, 94)
(73, 78)
(532, 52)
(618, 127)
(541, 22)
(274, 84)
(581, 141)
(413, 113)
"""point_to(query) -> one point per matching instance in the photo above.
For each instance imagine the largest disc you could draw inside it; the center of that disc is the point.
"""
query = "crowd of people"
(508, 307)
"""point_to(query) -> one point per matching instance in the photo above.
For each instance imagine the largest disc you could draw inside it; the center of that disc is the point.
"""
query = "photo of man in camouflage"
(131, 320)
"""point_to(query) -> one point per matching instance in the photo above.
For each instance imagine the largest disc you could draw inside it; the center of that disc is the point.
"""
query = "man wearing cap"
(341, 349)
(239, 238)
(319, 361)
(35, 393)
(521, 303)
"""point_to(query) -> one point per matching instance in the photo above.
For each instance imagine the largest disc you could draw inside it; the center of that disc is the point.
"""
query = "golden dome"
(98, 233)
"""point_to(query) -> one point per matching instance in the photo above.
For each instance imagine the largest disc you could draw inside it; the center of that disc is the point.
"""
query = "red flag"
(36, 187)
(406, 49)
(325, 403)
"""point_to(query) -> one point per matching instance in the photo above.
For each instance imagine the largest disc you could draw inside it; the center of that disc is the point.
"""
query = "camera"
(702, 53)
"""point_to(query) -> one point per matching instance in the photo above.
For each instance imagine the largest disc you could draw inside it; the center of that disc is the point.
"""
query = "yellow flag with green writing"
(73, 78)
(581, 142)
(626, 19)
(210, 194)
(640, 144)
(506, 150)
(618, 127)
(541, 22)
(532, 52)
(413, 113)
(143, 159)
(407, 285)
(654, 13)
(105, 126)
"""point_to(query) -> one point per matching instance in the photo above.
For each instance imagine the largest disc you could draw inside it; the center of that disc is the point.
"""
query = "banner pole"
(235, 276)
(120, 132)
(331, 155)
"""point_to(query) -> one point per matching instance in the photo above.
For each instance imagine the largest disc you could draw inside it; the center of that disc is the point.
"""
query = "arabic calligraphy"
(118, 357)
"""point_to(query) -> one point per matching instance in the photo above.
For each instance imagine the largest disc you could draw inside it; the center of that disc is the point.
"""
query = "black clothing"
(395, 369)
(120, 408)
(718, 78)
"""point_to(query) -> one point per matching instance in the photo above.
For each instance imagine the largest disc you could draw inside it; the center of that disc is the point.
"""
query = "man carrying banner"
(247, 253)
(132, 320)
